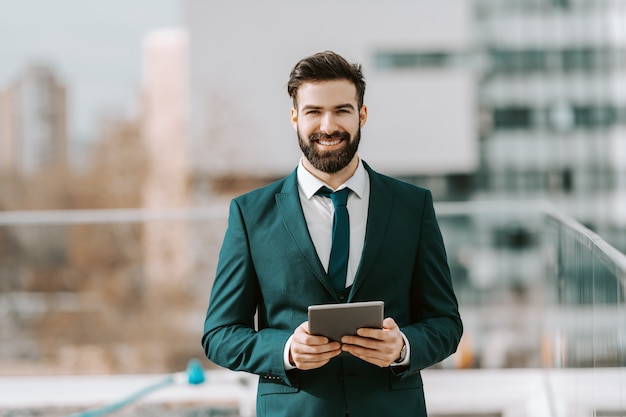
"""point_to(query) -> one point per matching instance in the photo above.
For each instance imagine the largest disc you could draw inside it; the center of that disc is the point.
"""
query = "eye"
(344, 110)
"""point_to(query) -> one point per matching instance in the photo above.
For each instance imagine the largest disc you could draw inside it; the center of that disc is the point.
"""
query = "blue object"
(195, 373)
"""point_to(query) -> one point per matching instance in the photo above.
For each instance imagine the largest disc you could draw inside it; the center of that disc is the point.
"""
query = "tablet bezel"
(337, 320)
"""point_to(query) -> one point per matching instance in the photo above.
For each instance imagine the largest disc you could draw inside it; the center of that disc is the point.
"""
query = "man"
(275, 262)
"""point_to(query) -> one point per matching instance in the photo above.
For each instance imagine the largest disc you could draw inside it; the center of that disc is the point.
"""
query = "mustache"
(314, 137)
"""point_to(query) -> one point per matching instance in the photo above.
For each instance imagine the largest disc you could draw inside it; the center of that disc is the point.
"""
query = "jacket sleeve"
(230, 338)
(436, 327)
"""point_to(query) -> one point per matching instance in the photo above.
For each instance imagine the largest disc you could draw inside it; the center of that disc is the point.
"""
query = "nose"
(328, 124)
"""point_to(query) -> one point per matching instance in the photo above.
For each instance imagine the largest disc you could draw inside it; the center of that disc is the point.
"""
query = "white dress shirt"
(319, 212)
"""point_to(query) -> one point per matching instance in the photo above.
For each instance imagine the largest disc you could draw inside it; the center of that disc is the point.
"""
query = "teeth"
(329, 142)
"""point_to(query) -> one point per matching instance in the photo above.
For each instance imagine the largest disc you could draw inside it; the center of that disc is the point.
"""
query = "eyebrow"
(339, 106)
(345, 106)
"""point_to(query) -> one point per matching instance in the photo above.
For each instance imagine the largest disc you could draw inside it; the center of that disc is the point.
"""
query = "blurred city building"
(482, 99)
(552, 99)
(33, 122)
(421, 122)
(164, 119)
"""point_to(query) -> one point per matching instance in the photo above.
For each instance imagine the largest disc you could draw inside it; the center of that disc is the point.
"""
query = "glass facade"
(550, 103)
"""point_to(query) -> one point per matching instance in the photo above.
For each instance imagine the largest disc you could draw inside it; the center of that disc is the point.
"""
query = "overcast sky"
(93, 45)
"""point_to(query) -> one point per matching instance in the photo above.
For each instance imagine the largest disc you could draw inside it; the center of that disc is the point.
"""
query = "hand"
(380, 347)
(308, 351)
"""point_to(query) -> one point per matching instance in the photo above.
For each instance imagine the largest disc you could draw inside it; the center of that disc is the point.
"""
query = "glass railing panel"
(588, 284)
(587, 325)
(125, 291)
(108, 292)
(495, 255)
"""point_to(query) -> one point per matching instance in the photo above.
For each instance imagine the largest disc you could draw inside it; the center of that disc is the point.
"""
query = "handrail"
(133, 215)
(617, 257)
(541, 207)
(129, 215)
(123, 215)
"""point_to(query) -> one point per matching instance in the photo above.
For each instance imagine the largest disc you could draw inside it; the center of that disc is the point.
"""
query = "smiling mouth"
(329, 142)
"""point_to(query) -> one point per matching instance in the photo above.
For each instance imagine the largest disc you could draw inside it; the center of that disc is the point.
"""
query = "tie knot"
(339, 198)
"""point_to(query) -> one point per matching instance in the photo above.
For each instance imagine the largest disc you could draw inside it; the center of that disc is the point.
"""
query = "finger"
(312, 361)
(391, 334)
(309, 340)
(315, 349)
(303, 328)
(316, 357)
(368, 355)
(389, 324)
(384, 351)
(366, 342)
(301, 335)
(371, 333)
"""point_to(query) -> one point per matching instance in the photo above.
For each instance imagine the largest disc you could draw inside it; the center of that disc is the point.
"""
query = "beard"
(334, 160)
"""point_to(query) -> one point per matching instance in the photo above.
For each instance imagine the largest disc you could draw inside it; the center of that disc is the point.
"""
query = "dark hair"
(325, 66)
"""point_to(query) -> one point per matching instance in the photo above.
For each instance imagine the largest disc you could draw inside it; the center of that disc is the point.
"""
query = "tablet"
(337, 320)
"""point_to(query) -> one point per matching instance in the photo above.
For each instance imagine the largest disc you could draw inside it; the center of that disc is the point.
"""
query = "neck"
(335, 179)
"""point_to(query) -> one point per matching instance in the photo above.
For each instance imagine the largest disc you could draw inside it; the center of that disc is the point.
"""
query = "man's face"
(328, 122)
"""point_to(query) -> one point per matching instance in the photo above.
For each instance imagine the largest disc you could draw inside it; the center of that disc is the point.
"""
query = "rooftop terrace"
(102, 307)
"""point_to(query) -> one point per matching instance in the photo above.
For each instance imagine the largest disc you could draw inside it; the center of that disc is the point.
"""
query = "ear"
(294, 118)
(363, 115)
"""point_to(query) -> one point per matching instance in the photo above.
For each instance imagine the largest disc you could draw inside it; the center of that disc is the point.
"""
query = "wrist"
(287, 359)
(402, 355)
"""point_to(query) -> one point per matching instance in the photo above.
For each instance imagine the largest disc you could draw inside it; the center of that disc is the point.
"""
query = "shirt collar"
(309, 183)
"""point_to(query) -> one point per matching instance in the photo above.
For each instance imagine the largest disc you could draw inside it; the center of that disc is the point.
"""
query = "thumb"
(389, 324)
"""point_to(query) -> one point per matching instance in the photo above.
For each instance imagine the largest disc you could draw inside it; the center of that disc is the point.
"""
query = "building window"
(578, 59)
(530, 60)
(595, 116)
(567, 180)
(512, 118)
(561, 4)
(583, 59)
(427, 59)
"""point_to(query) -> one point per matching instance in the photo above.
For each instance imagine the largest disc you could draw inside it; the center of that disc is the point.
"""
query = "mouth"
(329, 142)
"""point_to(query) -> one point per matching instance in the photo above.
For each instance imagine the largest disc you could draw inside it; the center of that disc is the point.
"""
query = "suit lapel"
(290, 209)
(381, 200)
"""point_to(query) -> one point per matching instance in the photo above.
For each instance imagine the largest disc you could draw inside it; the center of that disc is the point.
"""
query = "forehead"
(326, 93)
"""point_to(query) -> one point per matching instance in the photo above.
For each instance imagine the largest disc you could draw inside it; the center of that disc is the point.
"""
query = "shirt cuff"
(407, 357)
(288, 365)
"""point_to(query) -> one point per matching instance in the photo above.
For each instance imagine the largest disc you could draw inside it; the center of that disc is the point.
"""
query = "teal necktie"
(338, 265)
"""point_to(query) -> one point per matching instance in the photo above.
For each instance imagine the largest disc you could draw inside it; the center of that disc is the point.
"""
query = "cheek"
(305, 129)
(350, 124)
(353, 127)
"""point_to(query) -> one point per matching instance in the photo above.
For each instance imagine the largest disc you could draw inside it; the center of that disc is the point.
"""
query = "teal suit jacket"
(268, 265)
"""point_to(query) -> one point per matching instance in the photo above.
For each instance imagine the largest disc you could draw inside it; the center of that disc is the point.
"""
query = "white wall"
(242, 53)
